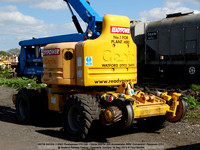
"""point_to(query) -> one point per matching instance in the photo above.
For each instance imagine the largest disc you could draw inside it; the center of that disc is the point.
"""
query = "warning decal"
(119, 30)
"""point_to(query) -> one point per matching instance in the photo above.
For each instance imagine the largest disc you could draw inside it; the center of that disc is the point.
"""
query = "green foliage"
(19, 83)
(14, 51)
(3, 53)
(195, 87)
(10, 52)
(4, 73)
(193, 116)
(192, 102)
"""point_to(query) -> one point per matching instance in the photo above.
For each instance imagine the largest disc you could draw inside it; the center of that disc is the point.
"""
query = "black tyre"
(27, 105)
(152, 123)
(79, 112)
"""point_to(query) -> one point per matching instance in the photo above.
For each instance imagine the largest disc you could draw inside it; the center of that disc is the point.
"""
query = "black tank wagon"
(170, 46)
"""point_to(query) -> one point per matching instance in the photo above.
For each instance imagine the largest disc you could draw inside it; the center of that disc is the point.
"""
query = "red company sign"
(48, 52)
(119, 30)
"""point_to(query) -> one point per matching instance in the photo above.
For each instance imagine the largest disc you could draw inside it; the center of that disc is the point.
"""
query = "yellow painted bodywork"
(148, 105)
(55, 102)
(149, 110)
(113, 56)
(165, 96)
(108, 60)
(57, 70)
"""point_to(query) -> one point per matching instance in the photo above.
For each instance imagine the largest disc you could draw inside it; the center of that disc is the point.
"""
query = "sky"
(24, 19)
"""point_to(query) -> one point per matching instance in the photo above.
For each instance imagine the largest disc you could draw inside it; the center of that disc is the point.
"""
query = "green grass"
(192, 102)
(19, 83)
(193, 116)
(4, 73)
(193, 113)
(195, 87)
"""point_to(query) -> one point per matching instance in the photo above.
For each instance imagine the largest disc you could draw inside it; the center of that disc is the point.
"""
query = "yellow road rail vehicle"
(81, 77)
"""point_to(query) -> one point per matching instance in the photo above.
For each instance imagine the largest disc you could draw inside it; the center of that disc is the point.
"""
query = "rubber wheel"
(26, 105)
(80, 110)
(180, 112)
(152, 123)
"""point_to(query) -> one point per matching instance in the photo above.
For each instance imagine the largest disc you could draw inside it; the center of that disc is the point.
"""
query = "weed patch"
(19, 83)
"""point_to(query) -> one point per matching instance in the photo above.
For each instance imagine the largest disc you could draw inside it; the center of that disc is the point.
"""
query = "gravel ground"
(13, 136)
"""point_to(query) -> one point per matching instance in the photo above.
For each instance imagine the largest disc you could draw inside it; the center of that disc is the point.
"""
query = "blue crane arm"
(87, 14)
(30, 55)
(85, 11)
(53, 39)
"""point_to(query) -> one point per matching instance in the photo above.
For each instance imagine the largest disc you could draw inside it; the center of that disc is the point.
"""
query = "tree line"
(11, 52)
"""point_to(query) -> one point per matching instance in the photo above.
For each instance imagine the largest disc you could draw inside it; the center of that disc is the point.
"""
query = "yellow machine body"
(108, 60)
(57, 70)
(81, 80)
(148, 105)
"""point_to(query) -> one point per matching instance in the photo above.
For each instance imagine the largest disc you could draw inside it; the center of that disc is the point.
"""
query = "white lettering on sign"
(48, 52)
(119, 30)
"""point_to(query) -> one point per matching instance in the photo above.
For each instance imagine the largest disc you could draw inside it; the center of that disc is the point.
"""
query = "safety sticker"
(53, 100)
(79, 73)
(88, 61)
(79, 62)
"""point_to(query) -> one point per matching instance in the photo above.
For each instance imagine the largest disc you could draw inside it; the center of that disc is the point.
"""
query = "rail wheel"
(80, 110)
(180, 112)
(26, 105)
(130, 116)
(127, 118)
